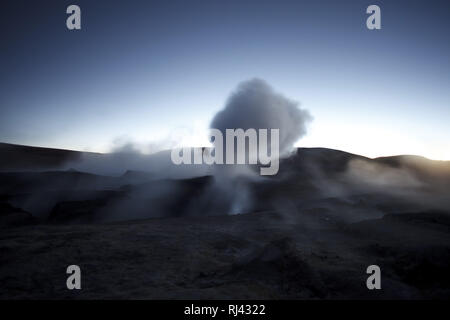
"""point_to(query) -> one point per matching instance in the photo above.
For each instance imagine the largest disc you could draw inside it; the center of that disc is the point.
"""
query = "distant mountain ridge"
(21, 157)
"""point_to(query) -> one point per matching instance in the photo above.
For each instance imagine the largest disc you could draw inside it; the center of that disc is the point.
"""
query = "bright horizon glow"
(364, 144)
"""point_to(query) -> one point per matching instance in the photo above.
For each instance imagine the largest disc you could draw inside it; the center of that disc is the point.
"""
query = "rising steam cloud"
(256, 105)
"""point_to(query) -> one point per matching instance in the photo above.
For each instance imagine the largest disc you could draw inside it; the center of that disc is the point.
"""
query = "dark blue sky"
(148, 70)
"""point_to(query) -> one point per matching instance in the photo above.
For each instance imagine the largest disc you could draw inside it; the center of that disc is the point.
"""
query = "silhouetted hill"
(317, 179)
(17, 157)
(302, 160)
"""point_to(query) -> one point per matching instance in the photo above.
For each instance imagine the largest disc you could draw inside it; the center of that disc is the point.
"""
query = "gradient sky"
(154, 71)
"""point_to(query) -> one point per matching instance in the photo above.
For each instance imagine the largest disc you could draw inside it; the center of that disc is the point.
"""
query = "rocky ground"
(251, 256)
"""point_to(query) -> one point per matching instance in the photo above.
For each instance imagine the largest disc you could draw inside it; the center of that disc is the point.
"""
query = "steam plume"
(256, 105)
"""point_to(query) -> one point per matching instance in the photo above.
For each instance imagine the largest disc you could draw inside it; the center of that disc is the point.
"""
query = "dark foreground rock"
(251, 256)
(12, 217)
